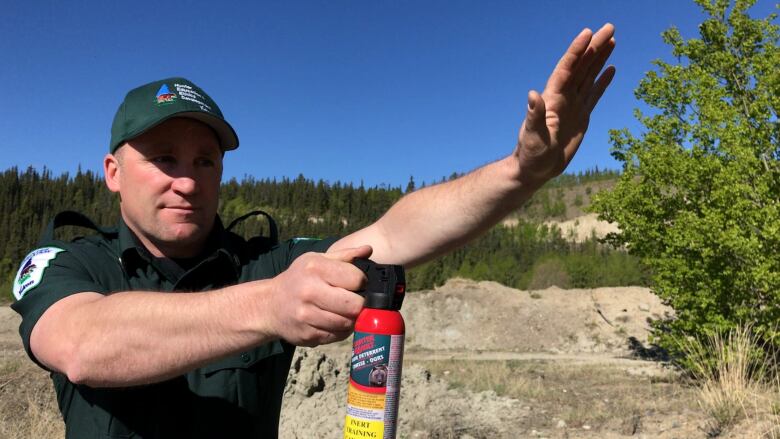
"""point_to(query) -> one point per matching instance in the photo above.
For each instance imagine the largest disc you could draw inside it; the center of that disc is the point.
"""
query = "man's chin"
(187, 233)
(187, 237)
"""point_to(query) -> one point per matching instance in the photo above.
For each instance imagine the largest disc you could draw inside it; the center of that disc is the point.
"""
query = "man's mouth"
(182, 208)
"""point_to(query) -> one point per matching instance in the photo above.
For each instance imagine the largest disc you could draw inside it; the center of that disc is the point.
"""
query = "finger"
(330, 322)
(317, 337)
(596, 66)
(564, 70)
(602, 41)
(324, 337)
(603, 35)
(340, 301)
(341, 274)
(349, 254)
(599, 87)
(535, 113)
(579, 71)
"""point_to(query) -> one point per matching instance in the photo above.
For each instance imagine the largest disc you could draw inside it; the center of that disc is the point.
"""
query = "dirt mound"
(317, 386)
(468, 315)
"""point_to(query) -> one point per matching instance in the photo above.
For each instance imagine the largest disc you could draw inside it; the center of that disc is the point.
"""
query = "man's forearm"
(133, 338)
(437, 219)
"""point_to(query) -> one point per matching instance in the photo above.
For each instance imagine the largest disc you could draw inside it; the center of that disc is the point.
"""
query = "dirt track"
(596, 359)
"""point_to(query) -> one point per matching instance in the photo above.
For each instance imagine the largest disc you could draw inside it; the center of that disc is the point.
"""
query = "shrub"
(697, 200)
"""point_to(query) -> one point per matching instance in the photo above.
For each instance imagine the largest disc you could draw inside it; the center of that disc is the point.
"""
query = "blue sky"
(337, 90)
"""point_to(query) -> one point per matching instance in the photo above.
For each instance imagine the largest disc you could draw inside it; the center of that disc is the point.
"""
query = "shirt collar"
(132, 251)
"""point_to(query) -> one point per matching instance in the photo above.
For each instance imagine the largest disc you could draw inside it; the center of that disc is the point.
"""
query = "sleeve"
(279, 258)
(47, 275)
(299, 246)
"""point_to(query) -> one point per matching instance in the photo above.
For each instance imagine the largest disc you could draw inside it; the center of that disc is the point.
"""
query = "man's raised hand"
(557, 119)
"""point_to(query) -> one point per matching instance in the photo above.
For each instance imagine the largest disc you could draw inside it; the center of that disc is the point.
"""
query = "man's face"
(168, 179)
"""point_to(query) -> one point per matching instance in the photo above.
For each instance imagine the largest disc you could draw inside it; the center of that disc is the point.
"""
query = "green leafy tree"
(698, 199)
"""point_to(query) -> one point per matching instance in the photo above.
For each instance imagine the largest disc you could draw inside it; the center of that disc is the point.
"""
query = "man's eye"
(164, 159)
(205, 162)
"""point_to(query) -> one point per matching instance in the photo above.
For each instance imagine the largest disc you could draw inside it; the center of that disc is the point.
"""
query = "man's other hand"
(557, 119)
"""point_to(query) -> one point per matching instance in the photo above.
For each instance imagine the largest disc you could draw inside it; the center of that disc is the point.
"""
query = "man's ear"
(111, 172)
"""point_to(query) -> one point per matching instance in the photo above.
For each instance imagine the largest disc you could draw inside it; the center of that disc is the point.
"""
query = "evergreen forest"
(528, 254)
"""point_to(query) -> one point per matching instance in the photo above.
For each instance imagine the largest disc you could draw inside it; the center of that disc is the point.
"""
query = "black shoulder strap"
(273, 231)
(70, 218)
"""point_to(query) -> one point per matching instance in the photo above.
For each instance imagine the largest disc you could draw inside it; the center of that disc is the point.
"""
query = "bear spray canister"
(377, 353)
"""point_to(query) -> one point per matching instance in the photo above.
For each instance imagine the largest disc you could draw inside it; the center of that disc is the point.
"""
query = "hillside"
(566, 199)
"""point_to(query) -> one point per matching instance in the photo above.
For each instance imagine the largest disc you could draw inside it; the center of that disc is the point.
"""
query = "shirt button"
(245, 357)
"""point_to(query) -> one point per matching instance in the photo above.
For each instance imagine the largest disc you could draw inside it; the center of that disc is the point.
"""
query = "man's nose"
(185, 184)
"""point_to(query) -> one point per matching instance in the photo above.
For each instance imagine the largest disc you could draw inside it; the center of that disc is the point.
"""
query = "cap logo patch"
(190, 94)
(31, 271)
(164, 95)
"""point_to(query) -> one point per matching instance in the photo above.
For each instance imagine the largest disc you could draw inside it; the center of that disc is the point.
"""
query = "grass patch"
(510, 378)
(736, 381)
(603, 397)
(28, 407)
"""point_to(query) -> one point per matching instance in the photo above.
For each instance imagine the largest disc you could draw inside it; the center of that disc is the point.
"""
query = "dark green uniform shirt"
(237, 397)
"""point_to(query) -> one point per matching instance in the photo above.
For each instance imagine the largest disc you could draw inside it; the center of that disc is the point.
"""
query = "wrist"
(530, 172)
(525, 182)
(255, 316)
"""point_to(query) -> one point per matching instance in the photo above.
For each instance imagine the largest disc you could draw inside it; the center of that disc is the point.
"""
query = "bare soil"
(482, 361)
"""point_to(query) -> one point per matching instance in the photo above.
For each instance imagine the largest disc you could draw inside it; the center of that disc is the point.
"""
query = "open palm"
(558, 118)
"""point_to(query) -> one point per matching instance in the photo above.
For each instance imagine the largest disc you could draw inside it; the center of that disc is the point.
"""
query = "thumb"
(535, 117)
(348, 254)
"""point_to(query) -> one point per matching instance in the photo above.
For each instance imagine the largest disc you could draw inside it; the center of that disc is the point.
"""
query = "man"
(128, 360)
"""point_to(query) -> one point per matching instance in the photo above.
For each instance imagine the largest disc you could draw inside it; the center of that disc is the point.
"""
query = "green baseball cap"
(152, 104)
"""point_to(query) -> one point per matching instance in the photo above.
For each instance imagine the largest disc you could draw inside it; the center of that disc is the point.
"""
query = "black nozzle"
(386, 284)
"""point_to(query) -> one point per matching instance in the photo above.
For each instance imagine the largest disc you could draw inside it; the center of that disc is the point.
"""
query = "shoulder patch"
(31, 271)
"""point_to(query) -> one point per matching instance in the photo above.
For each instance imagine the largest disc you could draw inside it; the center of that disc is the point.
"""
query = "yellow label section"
(358, 398)
(360, 429)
